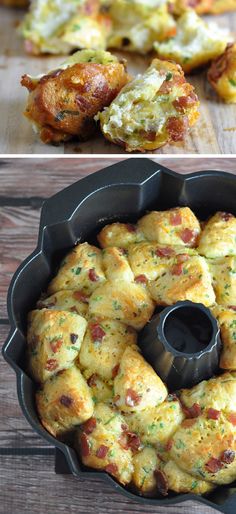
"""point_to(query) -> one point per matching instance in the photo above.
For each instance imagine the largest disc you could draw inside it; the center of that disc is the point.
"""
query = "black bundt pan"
(121, 192)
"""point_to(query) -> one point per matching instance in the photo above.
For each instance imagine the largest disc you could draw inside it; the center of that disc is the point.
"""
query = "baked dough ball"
(136, 25)
(149, 261)
(54, 339)
(218, 237)
(103, 345)
(196, 42)
(227, 322)
(116, 265)
(217, 393)
(181, 482)
(72, 301)
(157, 424)
(127, 302)
(80, 270)
(102, 443)
(177, 226)
(136, 385)
(188, 279)
(222, 74)
(155, 108)
(223, 271)
(119, 234)
(145, 463)
(206, 448)
(64, 402)
(63, 103)
(51, 26)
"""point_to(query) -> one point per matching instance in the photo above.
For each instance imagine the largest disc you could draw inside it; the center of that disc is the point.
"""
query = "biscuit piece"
(80, 270)
(116, 265)
(119, 234)
(136, 25)
(196, 42)
(54, 339)
(47, 27)
(188, 279)
(102, 443)
(177, 226)
(218, 393)
(227, 322)
(218, 237)
(155, 108)
(150, 260)
(123, 301)
(103, 346)
(145, 463)
(62, 104)
(64, 402)
(72, 301)
(157, 424)
(137, 386)
(223, 272)
(181, 482)
(222, 74)
(205, 447)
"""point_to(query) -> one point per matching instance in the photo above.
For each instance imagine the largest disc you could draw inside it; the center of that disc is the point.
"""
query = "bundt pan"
(121, 192)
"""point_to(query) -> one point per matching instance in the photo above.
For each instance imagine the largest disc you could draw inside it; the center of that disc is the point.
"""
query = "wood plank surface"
(214, 133)
(28, 483)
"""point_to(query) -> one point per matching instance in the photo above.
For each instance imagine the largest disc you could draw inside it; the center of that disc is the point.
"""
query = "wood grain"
(28, 483)
(214, 133)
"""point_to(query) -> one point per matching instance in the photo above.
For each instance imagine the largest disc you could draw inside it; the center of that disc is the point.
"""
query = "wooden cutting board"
(214, 133)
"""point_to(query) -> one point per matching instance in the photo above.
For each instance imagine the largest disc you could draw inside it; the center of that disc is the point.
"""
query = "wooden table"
(28, 483)
(214, 133)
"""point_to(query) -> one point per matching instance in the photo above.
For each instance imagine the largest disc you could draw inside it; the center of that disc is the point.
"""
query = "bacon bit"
(192, 412)
(183, 257)
(169, 445)
(233, 307)
(89, 426)
(132, 398)
(141, 279)
(131, 228)
(188, 422)
(133, 441)
(187, 235)
(85, 448)
(81, 297)
(56, 345)
(175, 218)
(226, 216)
(213, 465)
(102, 90)
(165, 252)
(183, 102)
(213, 414)
(116, 398)
(102, 451)
(228, 456)
(66, 400)
(162, 482)
(124, 427)
(111, 468)
(51, 364)
(177, 269)
(73, 338)
(232, 418)
(92, 381)
(93, 275)
(177, 127)
(97, 332)
(115, 370)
